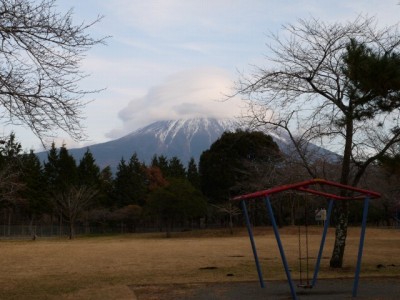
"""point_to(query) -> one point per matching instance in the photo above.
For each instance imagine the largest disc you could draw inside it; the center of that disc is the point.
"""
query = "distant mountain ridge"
(184, 138)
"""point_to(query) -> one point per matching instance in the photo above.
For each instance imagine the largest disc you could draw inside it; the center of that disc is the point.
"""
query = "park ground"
(149, 266)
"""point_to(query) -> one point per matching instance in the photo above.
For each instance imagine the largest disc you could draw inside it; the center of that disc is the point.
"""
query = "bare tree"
(11, 184)
(40, 57)
(229, 209)
(129, 216)
(312, 90)
(73, 202)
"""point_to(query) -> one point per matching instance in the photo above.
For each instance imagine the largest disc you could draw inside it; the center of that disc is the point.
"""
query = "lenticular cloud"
(184, 95)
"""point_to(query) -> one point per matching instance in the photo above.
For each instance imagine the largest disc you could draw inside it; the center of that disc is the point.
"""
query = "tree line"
(63, 191)
(164, 194)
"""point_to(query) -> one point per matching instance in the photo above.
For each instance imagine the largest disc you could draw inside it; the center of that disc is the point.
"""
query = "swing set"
(311, 187)
(307, 279)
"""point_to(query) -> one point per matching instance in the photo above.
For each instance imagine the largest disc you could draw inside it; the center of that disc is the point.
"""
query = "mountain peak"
(183, 138)
(167, 131)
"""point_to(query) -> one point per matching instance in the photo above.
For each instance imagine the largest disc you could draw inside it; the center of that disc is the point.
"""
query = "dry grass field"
(104, 267)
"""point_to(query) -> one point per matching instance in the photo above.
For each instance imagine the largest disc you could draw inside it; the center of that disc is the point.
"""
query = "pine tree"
(175, 168)
(237, 163)
(130, 183)
(177, 201)
(105, 187)
(61, 174)
(34, 189)
(138, 180)
(11, 184)
(88, 171)
(67, 168)
(160, 162)
(60, 170)
(193, 174)
(51, 168)
(121, 187)
(10, 170)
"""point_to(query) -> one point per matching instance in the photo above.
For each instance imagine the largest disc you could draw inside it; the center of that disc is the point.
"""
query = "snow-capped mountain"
(181, 138)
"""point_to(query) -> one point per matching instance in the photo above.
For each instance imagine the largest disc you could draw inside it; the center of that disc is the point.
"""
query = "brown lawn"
(104, 267)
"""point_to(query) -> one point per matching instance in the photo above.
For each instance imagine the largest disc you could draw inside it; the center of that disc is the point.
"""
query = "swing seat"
(305, 286)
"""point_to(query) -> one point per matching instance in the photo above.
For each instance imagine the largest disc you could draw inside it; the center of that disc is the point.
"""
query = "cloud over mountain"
(188, 94)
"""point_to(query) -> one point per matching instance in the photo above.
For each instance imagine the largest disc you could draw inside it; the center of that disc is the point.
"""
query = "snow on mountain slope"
(181, 138)
(166, 132)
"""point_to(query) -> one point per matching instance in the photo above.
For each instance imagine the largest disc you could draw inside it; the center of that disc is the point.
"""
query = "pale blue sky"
(168, 59)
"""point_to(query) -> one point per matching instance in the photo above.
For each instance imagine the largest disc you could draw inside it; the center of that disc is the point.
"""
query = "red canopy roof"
(308, 187)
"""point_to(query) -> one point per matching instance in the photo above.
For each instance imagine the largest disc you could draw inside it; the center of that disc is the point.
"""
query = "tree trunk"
(168, 228)
(52, 225)
(342, 209)
(122, 227)
(342, 214)
(4, 222)
(87, 223)
(9, 222)
(32, 227)
(71, 229)
(230, 223)
(60, 225)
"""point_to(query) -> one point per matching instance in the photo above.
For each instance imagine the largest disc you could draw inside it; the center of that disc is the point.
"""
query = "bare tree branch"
(40, 57)
(321, 86)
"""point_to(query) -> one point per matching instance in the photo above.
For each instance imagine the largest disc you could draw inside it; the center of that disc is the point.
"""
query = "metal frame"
(359, 194)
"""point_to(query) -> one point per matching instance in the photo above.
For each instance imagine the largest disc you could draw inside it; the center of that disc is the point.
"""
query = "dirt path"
(369, 288)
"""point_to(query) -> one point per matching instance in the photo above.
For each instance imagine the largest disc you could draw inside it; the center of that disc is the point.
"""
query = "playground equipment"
(310, 186)
(306, 283)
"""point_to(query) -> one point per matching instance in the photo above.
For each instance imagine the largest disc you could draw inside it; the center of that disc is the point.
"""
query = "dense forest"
(61, 196)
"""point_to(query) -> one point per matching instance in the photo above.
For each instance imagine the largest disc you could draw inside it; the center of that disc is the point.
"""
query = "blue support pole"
(253, 244)
(321, 247)
(361, 246)
(278, 240)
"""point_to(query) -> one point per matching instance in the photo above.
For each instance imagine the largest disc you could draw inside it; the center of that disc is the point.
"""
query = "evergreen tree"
(68, 170)
(130, 183)
(32, 176)
(193, 173)
(160, 162)
(61, 174)
(105, 187)
(11, 184)
(60, 170)
(178, 201)
(51, 168)
(11, 149)
(175, 168)
(138, 180)
(122, 185)
(233, 163)
(10, 171)
(88, 171)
